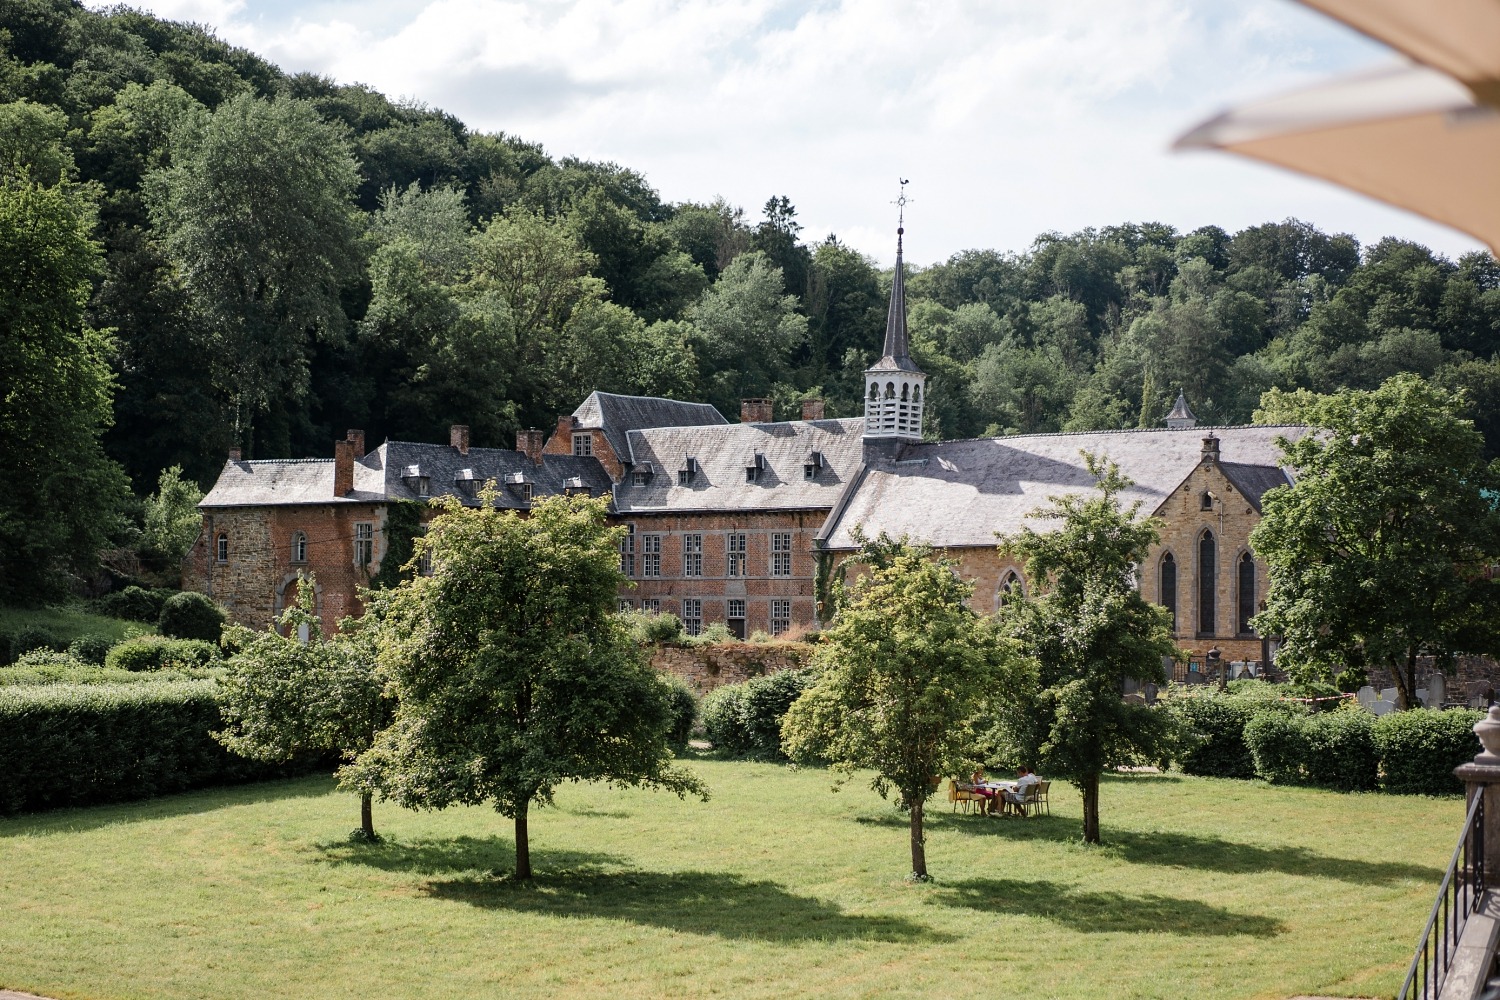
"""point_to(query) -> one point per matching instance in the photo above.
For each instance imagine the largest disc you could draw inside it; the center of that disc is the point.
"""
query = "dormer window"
(641, 474)
(525, 490)
(464, 480)
(754, 465)
(517, 481)
(574, 485)
(812, 465)
(583, 445)
(416, 481)
(688, 472)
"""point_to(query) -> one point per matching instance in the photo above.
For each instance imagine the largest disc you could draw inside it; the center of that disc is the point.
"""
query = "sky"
(1010, 117)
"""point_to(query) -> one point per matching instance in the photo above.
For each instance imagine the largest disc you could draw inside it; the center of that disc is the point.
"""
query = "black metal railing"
(1458, 897)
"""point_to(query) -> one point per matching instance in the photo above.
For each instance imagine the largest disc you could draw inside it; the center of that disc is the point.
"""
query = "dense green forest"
(200, 251)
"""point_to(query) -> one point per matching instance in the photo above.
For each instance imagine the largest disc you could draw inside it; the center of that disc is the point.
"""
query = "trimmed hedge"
(1214, 731)
(152, 652)
(682, 708)
(744, 720)
(73, 745)
(1341, 751)
(135, 603)
(90, 648)
(190, 615)
(1419, 749)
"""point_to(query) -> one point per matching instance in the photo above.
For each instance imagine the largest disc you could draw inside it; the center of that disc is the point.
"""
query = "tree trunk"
(523, 844)
(366, 820)
(1090, 788)
(918, 843)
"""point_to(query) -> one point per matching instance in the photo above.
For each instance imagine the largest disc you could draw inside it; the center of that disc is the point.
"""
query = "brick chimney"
(529, 442)
(755, 411)
(458, 438)
(343, 467)
(234, 454)
(1210, 450)
(812, 409)
(357, 440)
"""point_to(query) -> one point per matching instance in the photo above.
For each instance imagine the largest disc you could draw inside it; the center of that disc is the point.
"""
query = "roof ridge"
(1121, 430)
(280, 461)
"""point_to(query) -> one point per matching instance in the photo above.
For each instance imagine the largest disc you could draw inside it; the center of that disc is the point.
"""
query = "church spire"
(894, 385)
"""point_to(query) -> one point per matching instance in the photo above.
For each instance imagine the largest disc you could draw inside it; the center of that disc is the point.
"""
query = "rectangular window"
(692, 555)
(781, 553)
(526, 493)
(736, 618)
(692, 615)
(424, 563)
(626, 604)
(734, 545)
(364, 544)
(583, 445)
(640, 477)
(627, 551)
(650, 555)
(781, 617)
(684, 477)
(651, 604)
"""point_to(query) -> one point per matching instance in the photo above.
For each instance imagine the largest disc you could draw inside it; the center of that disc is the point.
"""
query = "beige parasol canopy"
(1408, 135)
(1459, 37)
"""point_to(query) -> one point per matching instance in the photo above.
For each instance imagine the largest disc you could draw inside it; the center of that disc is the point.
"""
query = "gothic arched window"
(1168, 586)
(1208, 575)
(1246, 593)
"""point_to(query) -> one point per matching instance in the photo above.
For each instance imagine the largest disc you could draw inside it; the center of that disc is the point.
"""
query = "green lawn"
(69, 623)
(775, 888)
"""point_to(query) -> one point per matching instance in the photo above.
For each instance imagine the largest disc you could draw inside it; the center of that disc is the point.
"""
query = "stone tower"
(894, 385)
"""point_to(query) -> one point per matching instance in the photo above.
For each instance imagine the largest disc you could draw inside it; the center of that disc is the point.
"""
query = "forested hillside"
(271, 258)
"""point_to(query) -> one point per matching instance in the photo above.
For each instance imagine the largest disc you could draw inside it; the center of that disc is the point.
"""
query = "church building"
(738, 523)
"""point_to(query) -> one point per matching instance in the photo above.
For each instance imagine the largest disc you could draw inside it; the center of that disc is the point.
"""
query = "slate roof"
(379, 477)
(961, 493)
(722, 454)
(895, 355)
(618, 415)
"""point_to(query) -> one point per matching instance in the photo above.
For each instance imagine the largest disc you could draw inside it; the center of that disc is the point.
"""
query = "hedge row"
(744, 720)
(73, 745)
(1411, 752)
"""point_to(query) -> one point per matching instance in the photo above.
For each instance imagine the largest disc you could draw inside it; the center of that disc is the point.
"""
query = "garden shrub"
(1278, 746)
(60, 668)
(1340, 751)
(190, 615)
(1419, 749)
(43, 657)
(70, 745)
(744, 720)
(648, 628)
(1213, 736)
(90, 648)
(151, 652)
(682, 707)
(34, 637)
(135, 603)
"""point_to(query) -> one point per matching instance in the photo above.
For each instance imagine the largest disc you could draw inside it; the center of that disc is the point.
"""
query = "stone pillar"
(1481, 776)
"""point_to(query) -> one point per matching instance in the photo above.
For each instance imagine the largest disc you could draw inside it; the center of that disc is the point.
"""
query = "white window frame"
(781, 616)
(221, 547)
(781, 553)
(364, 543)
(583, 446)
(651, 556)
(692, 615)
(651, 604)
(299, 546)
(736, 608)
(736, 548)
(692, 554)
(627, 551)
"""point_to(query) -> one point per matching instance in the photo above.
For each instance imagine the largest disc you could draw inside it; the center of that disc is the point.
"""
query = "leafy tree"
(62, 496)
(1378, 552)
(290, 690)
(512, 672)
(255, 213)
(905, 665)
(172, 518)
(747, 328)
(1088, 633)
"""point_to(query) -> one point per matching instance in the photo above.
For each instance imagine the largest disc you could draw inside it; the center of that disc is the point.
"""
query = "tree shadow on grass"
(1190, 850)
(1106, 912)
(579, 884)
(78, 819)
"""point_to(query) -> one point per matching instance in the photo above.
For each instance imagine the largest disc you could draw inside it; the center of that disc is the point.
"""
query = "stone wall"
(707, 667)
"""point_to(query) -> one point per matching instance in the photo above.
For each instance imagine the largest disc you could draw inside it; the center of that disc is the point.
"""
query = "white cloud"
(1011, 116)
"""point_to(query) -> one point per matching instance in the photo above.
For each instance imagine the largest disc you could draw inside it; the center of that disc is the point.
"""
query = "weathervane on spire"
(900, 204)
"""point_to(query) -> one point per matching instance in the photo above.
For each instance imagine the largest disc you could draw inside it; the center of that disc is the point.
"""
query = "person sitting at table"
(980, 786)
(1015, 796)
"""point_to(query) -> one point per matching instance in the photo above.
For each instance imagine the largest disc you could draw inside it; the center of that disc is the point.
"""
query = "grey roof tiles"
(618, 415)
(962, 493)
